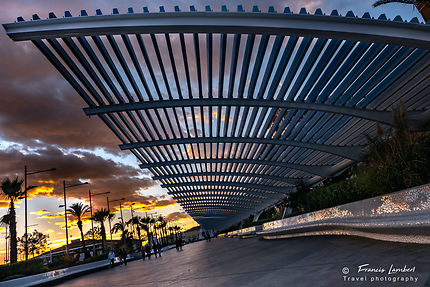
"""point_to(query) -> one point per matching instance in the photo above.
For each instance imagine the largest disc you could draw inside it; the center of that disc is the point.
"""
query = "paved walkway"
(310, 261)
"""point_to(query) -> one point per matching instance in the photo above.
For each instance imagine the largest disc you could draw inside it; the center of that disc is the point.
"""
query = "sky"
(42, 124)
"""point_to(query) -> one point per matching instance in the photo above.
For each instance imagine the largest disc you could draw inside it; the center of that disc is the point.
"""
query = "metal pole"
(122, 217)
(110, 228)
(25, 196)
(92, 224)
(65, 217)
(132, 225)
(7, 252)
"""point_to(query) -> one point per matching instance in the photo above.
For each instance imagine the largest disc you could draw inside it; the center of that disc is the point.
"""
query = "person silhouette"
(111, 258)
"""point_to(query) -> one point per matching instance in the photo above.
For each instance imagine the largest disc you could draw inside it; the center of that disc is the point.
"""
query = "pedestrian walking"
(124, 256)
(111, 258)
(120, 257)
(148, 250)
(142, 250)
(159, 249)
(154, 247)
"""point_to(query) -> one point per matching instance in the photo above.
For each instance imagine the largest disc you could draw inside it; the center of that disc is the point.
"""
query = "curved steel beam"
(213, 208)
(218, 201)
(246, 191)
(384, 117)
(224, 204)
(282, 190)
(220, 205)
(214, 197)
(293, 181)
(321, 170)
(304, 25)
(189, 198)
(350, 152)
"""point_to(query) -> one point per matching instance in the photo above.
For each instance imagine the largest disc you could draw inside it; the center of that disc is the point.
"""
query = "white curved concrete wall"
(402, 216)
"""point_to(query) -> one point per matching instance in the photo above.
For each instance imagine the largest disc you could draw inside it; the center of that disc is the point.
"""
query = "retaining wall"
(402, 216)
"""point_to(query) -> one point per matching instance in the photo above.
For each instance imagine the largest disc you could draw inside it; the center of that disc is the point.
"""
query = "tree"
(100, 216)
(423, 6)
(395, 159)
(171, 230)
(37, 242)
(177, 229)
(97, 234)
(400, 159)
(135, 221)
(149, 223)
(78, 210)
(162, 227)
(12, 190)
(5, 221)
(145, 225)
(120, 227)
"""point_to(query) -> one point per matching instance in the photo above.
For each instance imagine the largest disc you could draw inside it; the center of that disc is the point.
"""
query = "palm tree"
(161, 226)
(171, 229)
(78, 210)
(100, 216)
(145, 227)
(423, 6)
(12, 190)
(176, 228)
(150, 222)
(135, 220)
(120, 227)
(4, 221)
(145, 224)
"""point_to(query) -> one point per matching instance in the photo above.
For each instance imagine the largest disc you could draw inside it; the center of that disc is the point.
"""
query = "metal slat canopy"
(229, 110)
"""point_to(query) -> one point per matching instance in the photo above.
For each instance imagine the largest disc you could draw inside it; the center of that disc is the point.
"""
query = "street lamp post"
(65, 209)
(92, 224)
(131, 211)
(110, 227)
(120, 211)
(27, 173)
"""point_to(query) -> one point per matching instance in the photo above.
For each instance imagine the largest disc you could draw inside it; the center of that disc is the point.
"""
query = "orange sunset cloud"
(40, 212)
(141, 207)
(41, 190)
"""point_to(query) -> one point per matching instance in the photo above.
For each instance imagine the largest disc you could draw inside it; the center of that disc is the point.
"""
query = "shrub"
(397, 161)
(103, 256)
(22, 268)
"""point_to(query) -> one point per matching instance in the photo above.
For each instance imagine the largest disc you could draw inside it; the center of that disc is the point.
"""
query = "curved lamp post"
(27, 173)
(65, 208)
(91, 210)
(110, 227)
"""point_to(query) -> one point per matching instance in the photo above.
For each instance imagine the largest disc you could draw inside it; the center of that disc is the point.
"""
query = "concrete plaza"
(306, 261)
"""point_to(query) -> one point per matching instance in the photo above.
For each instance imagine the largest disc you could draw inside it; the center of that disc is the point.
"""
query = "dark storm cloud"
(37, 103)
(104, 174)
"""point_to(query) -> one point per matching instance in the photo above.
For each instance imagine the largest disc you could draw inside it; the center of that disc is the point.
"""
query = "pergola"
(230, 110)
